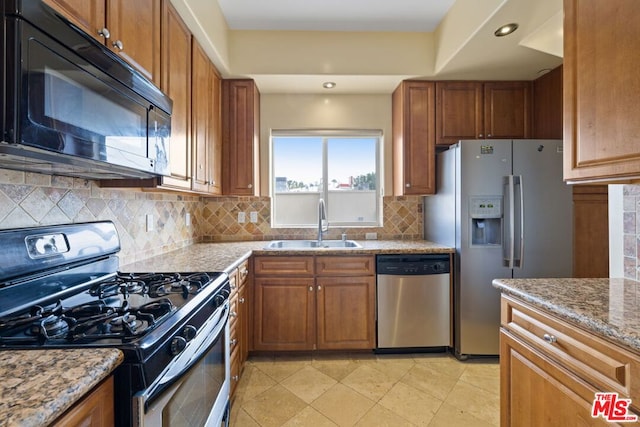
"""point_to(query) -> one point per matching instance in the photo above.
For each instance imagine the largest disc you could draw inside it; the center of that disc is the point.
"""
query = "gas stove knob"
(177, 345)
(189, 332)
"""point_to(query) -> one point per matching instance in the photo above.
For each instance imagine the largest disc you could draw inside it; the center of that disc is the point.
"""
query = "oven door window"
(196, 395)
(71, 110)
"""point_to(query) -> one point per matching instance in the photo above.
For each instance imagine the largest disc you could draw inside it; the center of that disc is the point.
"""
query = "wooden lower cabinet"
(239, 321)
(309, 305)
(94, 410)
(550, 370)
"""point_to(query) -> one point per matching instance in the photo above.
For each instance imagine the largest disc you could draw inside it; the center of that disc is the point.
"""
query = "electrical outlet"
(242, 218)
(187, 219)
(253, 216)
(371, 236)
(150, 222)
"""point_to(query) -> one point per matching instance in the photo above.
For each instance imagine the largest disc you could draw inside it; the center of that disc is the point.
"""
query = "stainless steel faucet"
(323, 224)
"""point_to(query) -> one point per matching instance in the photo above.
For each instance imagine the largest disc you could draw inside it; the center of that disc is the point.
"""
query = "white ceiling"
(335, 15)
(467, 51)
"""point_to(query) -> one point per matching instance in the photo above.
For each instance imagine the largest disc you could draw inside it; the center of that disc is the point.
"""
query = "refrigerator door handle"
(508, 251)
(519, 261)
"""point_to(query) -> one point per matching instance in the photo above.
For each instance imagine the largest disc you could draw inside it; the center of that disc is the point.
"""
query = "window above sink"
(340, 166)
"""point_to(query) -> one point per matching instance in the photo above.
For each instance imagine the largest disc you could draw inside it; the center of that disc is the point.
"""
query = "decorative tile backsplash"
(29, 199)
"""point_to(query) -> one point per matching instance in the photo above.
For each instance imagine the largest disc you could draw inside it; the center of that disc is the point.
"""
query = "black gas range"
(60, 288)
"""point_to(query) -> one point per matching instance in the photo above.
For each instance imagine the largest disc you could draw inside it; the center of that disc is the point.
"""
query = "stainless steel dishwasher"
(413, 301)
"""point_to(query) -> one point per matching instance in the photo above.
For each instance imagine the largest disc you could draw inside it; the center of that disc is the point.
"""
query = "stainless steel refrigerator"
(504, 207)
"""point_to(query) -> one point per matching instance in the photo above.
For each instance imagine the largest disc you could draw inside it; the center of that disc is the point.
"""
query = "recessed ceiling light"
(328, 85)
(505, 30)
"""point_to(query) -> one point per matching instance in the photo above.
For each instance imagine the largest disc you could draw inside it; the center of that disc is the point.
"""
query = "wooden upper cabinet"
(240, 137)
(413, 120)
(131, 29)
(482, 110)
(601, 90)
(547, 105)
(205, 98)
(458, 111)
(176, 82)
(507, 110)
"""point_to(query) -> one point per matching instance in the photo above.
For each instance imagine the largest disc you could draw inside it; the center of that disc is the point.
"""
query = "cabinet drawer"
(345, 265)
(235, 370)
(280, 265)
(234, 309)
(603, 364)
(233, 280)
(243, 273)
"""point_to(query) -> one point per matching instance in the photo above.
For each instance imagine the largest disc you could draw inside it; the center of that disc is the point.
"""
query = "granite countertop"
(226, 256)
(37, 386)
(609, 308)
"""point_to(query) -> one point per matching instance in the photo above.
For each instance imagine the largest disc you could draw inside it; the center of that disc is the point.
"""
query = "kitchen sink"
(309, 244)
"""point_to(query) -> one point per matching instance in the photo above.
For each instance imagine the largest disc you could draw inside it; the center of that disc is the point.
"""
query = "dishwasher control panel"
(412, 264)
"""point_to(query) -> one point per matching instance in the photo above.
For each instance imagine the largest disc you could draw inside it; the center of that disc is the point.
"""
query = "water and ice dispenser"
(485, 214)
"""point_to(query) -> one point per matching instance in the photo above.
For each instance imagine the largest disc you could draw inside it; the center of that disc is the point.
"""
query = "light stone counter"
(609, 308)
(225, 256)
(37, 386)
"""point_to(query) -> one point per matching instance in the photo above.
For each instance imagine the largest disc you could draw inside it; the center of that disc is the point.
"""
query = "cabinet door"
(413, 117)
(215, 133)
(88, 15)
(176, 82)
(458, 111)
(200, 110)
(346, 312)
(590, 231)
(547, 105)
(507, 110)
(537, 392)
(135, 34)
(94, 410)
(240, 137)
(284, 311)
(601, 90)
(243, 323)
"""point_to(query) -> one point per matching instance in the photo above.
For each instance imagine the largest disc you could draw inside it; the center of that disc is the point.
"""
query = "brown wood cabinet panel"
(284, 314)
(176, 82)
(283, 265)
(507, 110)
(537, 392)
(349, 265)
(240, 137)
(458, 111)
(601, 90)
(590, 231)
(413, 120)
(547, 105)
(215, 133)
(346, 312)
(88, 15)
(94, 410)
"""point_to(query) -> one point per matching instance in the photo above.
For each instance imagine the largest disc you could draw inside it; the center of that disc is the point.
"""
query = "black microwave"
(72, 107)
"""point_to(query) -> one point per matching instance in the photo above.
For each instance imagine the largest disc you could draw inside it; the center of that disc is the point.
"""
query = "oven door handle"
(206, 336)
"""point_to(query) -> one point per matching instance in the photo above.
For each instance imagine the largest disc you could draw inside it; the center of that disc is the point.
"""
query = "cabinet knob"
(233, 342)
(310, 288)
(118, 45)
(407, 185)
(319, 288)
(480, 136)
(104, 32)
(235, 378)
(233, 314)
(489, 135)
(250, 186)
(241, 300)
(551, 339)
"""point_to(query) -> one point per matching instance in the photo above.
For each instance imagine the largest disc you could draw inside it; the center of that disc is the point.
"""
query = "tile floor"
(367, 390)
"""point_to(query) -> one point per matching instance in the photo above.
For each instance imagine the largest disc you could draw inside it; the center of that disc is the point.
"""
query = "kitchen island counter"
(37, 386)
(606, 307)
(226, 256)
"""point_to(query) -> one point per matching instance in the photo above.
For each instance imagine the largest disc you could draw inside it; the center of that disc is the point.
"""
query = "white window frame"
(326, 134)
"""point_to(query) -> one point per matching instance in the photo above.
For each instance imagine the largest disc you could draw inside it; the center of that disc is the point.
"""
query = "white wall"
(616, 231)
(293, 111)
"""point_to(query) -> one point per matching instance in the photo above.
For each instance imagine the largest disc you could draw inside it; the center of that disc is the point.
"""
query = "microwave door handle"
(508, 252)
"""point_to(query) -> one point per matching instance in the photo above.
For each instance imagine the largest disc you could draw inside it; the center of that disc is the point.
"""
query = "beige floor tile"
(394, 365)
(252, 383)
(444, 363)
(308, 383)
(309, 417)
(241, 419)
(342, 405)
(281, 370)
(369, 382)
(379, 416)
(450, 416)
(429, 380)
(476, 401)
(484, 377)
(274, 407)
(335, 367)
(411, 404)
